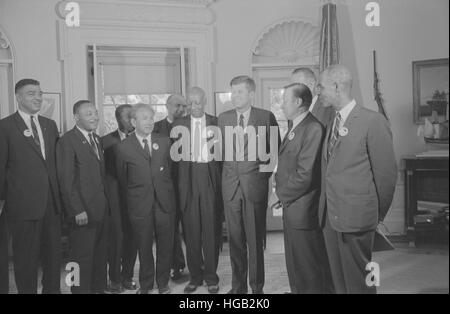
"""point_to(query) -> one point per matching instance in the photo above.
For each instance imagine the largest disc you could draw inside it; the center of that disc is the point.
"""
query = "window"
(276, 99)
(111, 102)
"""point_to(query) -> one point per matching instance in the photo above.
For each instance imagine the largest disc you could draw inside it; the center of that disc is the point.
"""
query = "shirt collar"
(198, 119)
(26, 116)
(141, 138)
(245, 113)
(168, 120)
(122, 135)
(313, 103)
(345, 111)
(299, 119)
(84, 132)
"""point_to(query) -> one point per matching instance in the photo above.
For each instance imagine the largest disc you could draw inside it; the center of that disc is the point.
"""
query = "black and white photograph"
(203, 148)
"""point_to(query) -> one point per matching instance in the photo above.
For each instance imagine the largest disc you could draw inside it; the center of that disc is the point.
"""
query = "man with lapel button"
(29, 191)
(322, 113)
(200, 196)
(359, 174)
(176, 106)
(121, 251)
(245, 188)
(298, 189)
(144, 172)
(81, 174)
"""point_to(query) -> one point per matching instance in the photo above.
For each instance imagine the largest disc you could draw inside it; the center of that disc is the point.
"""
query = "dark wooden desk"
(426, 179)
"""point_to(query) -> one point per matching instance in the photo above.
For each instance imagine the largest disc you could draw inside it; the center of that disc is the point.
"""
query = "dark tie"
(196, 140)
(146, 148)
(241, 121)
(335, 134)
(36, 139)
(93, 146)
(290, 123)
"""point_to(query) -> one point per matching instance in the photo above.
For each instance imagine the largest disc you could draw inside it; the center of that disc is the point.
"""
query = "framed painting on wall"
(51, 108)
(430, 90)
(222, 102)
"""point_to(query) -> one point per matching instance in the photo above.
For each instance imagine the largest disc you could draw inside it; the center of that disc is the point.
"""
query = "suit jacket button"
(161, 169)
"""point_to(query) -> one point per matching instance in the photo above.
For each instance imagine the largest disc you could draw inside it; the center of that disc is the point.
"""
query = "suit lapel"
(22, 128)
(86, 144)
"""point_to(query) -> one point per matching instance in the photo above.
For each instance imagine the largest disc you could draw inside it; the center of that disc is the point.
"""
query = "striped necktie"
(335, 134)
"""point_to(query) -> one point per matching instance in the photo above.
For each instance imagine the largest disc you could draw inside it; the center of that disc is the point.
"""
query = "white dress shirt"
(246, 116)
(203, 157)
(141, 141)
(313, 102)
(86, 135)
(122, 135)
(345, 112)
(27, 119)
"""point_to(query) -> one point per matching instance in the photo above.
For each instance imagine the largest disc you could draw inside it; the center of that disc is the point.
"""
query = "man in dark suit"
(81, 174)
(200, 201)
(176, 107)
(298, 188)
(359, 174)
(144, 172)
(29, 190)
(122, 252)
(245, 186)
(322, 113)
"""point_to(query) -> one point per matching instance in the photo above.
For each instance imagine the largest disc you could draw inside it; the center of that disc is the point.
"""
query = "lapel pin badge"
(291, 136)
(161, 169)
(155, 146)
(27, 133)
(343, 131)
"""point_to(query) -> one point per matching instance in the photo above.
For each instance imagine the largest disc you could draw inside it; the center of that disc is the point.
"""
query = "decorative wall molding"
(4, 41)
(151, 11)
(288, 41)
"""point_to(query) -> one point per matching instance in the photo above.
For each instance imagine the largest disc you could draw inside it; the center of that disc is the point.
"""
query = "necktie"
(335, 134)
(197, 141)
(146, 148)
(290, 123)
(36, 139)
(93, 146)
(241, 121)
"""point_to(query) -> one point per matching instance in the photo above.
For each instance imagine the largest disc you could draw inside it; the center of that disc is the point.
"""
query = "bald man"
(307, 77)
(176, 107)
(199, 185)
(359, 173)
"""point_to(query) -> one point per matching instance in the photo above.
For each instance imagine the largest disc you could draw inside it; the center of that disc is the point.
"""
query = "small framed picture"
(222, 101)
(51, 108)
(430, 90)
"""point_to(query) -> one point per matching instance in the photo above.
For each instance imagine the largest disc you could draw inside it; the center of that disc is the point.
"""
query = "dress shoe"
(143, 291)
(164, 290)
(115, 288)
(213, 289)
(190, 288)
(129, 285)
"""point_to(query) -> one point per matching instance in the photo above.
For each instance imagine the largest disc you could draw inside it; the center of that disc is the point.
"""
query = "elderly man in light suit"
(359, 173)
